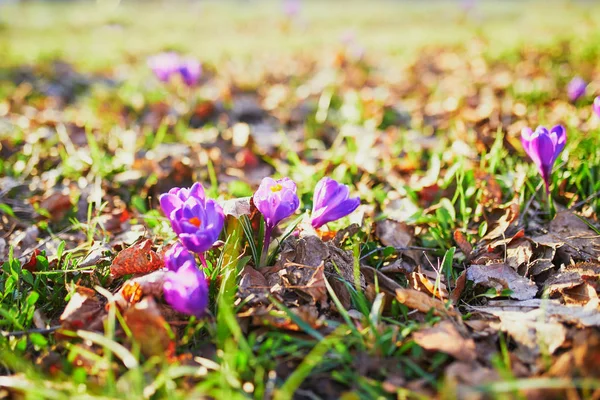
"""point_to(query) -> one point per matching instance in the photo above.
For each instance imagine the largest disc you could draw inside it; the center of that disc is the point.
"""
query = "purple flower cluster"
(198, 222)
(543, 147)
(277, 200)
(168, 65)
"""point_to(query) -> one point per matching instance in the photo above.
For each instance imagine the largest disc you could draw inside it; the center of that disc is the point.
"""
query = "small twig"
(399, 249)
(44, 331)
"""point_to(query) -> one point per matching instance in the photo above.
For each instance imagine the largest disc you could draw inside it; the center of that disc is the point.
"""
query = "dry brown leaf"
(416, 300)
(254, 284)
(500, 277)
(419, 281)
(466, 376)
(314, 286)
(84, 310)
(581, 243)
(149, 328)
(394, 233)
(461, 241)
(236, 207)
(57, 204)
(461, 282)
(510, 212)
(586, 316)
(532, 333)
(574, 278)
(445, 337)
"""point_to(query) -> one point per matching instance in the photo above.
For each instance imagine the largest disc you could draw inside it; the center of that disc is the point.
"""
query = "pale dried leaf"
(444, 337)
(394, 233)
(501, 276)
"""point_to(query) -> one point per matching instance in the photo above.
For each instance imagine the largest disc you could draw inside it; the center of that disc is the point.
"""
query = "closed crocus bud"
(176, 256)
(276, 200)
(596, 106)
(196, 220)
(190, 71)
(576, 88)
(164, 65)
(186, 289)
(331, 201)
(543, 147)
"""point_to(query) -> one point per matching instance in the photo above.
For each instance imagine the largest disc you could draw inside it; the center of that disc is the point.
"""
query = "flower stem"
(550, 205)
(266, 242)
(202, 260)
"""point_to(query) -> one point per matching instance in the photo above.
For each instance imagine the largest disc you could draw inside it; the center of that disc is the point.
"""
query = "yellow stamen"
(195, 221)
(276, 188)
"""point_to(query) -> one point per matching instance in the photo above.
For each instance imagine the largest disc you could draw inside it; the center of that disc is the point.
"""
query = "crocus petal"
(596, 106)
(560, 134)
(177, 256)
(186, 290)
(544, 148)
(169, 203)
(526, 135)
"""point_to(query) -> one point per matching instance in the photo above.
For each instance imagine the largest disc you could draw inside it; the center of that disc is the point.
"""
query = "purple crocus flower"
(176, 256)
(276, 200)
(164, 65)
(196, 220)
(576, 88)
(186, 289)
(543, 148)
(331, 201)
(596, 106)
(190, 71)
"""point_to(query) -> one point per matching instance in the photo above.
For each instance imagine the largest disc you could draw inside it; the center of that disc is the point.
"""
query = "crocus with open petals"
(276, 200)
(543, 147)
(186, 289)
(197, 221)
(576, 88)
(331, 201)
(596, 106)
(164, 65)
(176, 256)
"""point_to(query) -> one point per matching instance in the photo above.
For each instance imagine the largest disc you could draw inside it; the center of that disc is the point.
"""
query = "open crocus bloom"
(276, 200)
(186, 289)
(331, 201)
(543, 147)
(196, 220)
